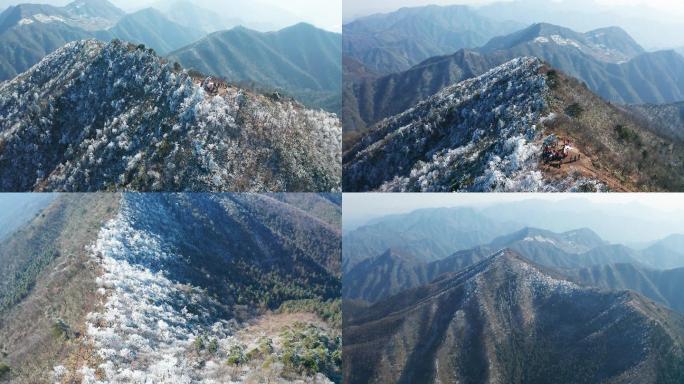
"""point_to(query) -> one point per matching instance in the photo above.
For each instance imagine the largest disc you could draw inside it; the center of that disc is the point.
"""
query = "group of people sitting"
(556, 152)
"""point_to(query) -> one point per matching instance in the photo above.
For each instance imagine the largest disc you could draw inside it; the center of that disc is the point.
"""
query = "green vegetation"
(61, 330)
(307, 349)
(199, 343)
(628, 135)
(38, 253)
(552, 79)
(212, 348)
(4, 370)
(329, 310)
(263, 350)
(236, 355)
(574, 110)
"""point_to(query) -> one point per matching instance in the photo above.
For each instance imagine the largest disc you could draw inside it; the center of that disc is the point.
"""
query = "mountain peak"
(192, 127)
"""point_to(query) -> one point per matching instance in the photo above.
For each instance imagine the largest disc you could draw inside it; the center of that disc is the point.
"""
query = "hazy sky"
(325, 14)
(356, 8)
(358, 207)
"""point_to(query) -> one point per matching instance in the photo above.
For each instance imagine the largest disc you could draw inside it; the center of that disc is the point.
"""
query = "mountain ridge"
(470, 325)
(139, 149)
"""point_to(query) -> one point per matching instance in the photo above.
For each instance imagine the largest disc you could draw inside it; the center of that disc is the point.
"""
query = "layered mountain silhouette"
(608, 60)
(486, 133)
(165, 287)
(394, 271)
(302, 61)
(396, 41)
(29, 32)
(425, 235)
(95, 116)
(507, 319)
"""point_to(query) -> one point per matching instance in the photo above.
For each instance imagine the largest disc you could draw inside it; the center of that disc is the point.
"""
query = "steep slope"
(666, 253)
(152, 28)
(96, 116)
(666, 119)
(49, 285)
(394, 42)
(374, 279)
(662, 286)
(367, 100)
(486, 134)
(427, 234)
(302, 61)
(189, 288)
(607, 60)
(506, 320)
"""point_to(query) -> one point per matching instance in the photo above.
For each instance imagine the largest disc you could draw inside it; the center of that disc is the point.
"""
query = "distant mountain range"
(652, 26)
(300, 60)
(403, 265)
(29, 32)
(394, 271)
(424, 235)
(608, 60)
(509, 318)
(396, 41)
(486, 134)
(171, 287)
(95, 116)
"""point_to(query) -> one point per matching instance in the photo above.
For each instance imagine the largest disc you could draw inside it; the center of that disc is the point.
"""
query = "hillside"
(96, 116)
(216, 284)
(508, 320)
(486, 134)
(301, 61)
(607, 60)
(396, 41)
(50, 282)
(662, 286)
(666, 119)
(666, 253)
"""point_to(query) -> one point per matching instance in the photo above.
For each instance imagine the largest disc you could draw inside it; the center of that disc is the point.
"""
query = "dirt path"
(585, 168)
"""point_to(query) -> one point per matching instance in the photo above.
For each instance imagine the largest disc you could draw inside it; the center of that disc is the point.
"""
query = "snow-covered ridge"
(145, 332)
(162, 286)
(476, 135)
(95, 116)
